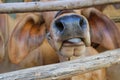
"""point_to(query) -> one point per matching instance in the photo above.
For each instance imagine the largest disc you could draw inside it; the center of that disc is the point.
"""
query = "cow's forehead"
(77, 11)
(50, 16)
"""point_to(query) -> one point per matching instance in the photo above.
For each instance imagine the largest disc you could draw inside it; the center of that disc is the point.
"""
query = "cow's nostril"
(59, 26)
(81, 22)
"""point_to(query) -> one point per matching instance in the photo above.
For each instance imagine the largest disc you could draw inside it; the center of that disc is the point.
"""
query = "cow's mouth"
(72, 47)
(73, 42)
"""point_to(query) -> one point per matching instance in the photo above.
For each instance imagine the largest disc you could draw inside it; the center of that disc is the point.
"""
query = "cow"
(68, 40)
(39, 39)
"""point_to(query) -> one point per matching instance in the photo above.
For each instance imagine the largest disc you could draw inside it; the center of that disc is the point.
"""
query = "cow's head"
(68, 32)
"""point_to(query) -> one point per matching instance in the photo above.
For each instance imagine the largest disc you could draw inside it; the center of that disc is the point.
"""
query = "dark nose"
(70, 26)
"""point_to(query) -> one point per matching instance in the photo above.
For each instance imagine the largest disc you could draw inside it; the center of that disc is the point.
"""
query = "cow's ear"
(103, 30)
(3, 35)
(28, 34)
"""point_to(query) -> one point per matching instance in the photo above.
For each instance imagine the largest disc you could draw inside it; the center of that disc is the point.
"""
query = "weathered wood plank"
(65, 69)
(115, 19)
(51, 5)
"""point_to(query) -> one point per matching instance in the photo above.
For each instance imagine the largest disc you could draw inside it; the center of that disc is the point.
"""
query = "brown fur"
(36, 57)
(103, 30)
(48, 19)
(106, 34)
(24, 54)
(27, 46)
(25, 51)
(93, 75)
(3, 35)
(113, 71)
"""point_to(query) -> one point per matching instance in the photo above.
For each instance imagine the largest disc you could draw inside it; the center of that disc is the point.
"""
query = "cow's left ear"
(3, 35)
(103, 31)
(28, 34)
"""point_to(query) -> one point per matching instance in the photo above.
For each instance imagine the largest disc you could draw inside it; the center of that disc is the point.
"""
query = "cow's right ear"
(27, 35)
(103, 30)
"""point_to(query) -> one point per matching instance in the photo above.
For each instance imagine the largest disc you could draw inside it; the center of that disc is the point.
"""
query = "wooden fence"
(65, 69)
(51, 5)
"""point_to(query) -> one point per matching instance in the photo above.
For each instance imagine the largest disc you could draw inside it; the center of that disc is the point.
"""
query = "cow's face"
(68, 33)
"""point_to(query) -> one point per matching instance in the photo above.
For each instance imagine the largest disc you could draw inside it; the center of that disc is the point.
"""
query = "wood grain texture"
(65, 69)
(51, 6)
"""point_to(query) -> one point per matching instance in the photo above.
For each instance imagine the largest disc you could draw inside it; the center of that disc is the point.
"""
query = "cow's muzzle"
(69, 33)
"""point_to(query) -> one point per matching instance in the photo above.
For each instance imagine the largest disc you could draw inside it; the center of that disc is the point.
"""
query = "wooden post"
(51, 5)
(65, 69)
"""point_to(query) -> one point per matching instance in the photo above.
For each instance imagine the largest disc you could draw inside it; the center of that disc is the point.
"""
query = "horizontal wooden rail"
(51, 5)
(65, 69)
(116, 19)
